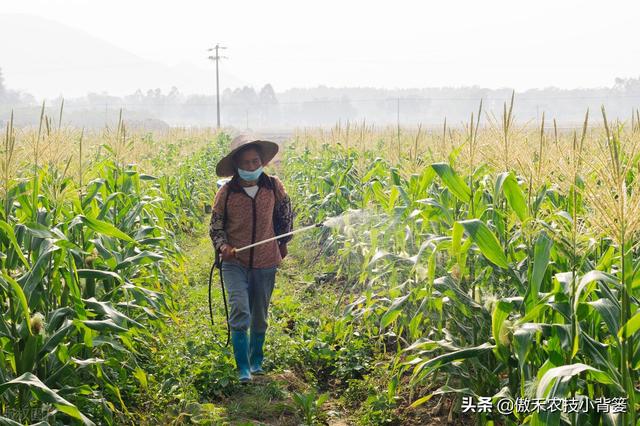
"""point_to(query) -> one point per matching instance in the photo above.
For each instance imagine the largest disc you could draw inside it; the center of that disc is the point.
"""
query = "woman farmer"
(251, 207)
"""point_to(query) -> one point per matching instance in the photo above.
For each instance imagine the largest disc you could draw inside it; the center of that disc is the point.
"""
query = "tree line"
(265, 108)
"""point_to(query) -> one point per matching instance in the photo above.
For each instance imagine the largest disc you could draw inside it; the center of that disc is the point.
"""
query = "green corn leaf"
(105, 228)
(500, 313)
(609, 312)
(606, 260)
(542, 251)
(107, 204)
(103, 325)
(141, 376)
(453, 182)
(45, 394)
(562, 374)
(589, 281)
(468, 306)
(630, 327)
(418, 402)
(456, 239)
(440, 212)
(109, 311)
(99, 274)
(541, 256)
(424, 368)
(38, 230)
(22, 299)
(394, 310)
(56, 318)
(141, 258)
(378, 170)
(55, 339)
(486, 241)
(523, 338)
(444, 390)
(515, 196)
(106, 340)
(32, 280)
(93, 188)
(10, 234)
(379, 254)
(394, 195)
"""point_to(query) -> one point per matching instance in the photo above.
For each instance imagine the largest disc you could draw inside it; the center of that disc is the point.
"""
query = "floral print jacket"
(239, 220)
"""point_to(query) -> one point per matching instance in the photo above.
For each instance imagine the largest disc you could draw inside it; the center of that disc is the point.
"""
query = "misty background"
(45, 60)
(265, 109)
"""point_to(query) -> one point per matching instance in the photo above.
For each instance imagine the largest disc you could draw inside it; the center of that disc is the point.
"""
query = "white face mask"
(247, 175)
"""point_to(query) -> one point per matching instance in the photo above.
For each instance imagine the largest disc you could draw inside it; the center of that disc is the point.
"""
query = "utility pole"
(398, 121)
(217, 58)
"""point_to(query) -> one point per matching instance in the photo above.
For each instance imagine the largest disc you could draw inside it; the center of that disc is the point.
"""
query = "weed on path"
(192, 374)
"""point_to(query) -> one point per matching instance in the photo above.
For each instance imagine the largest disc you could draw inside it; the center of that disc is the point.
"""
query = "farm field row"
(487, 263)
(496, 262)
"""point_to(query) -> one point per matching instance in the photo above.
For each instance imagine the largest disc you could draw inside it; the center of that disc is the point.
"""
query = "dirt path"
(193, 378)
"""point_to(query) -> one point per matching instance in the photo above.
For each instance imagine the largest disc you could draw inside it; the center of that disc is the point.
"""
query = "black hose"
(218, 264)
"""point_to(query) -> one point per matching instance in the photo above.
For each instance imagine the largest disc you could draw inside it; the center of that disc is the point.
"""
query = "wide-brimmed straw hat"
(226, 167)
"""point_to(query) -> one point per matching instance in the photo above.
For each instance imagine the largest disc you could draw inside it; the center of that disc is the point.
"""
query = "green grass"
(193, 373)
(193, 378)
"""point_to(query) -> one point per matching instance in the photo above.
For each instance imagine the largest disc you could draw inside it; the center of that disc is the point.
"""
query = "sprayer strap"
(224, 215)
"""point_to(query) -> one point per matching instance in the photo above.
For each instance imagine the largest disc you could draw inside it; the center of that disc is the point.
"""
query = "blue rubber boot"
(241, 353)
(256, 355)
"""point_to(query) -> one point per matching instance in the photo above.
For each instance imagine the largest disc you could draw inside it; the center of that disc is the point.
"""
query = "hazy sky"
(386, 44)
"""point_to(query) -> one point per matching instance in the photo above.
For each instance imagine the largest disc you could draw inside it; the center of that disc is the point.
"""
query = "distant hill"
(47, 58)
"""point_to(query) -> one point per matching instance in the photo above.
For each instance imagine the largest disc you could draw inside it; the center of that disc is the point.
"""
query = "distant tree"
(246, 95)
(268, 106)
(627, 84)
(153, 95)
(268, 95)
(134, 99)
(174, 95)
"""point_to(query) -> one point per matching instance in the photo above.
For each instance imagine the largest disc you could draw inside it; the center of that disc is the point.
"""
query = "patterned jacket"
(239, 220)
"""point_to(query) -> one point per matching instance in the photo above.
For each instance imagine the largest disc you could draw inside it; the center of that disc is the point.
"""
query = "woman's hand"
(227, 252)
(283, 250)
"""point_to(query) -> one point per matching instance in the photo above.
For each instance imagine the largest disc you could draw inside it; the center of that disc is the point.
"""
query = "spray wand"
(277, 237)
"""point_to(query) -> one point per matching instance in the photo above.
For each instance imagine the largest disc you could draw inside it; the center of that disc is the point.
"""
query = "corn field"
(88, 262)
(492, 261)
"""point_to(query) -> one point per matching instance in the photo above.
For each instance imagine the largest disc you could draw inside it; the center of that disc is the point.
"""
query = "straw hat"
(226, 167)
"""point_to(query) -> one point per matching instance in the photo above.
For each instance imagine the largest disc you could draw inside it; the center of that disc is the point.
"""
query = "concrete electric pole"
(217, 58)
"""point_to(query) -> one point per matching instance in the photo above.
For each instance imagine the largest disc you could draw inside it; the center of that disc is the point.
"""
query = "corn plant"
(85, 271)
